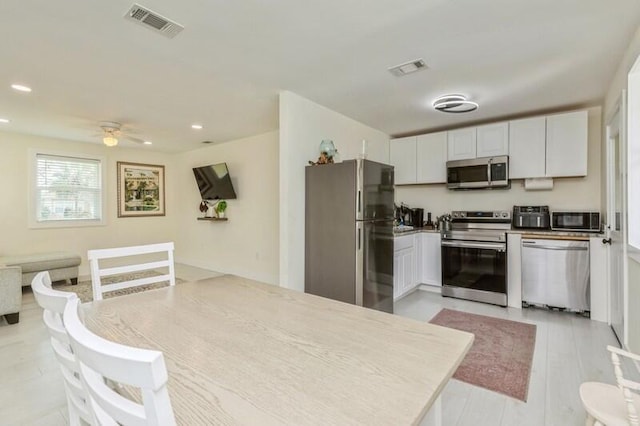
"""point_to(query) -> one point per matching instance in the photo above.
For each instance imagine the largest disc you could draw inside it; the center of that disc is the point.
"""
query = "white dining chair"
(128, 256)
(53, 303)
(143, 369)
(612, 405)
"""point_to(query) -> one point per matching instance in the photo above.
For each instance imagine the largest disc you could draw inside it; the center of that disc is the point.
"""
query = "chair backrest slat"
(125, 254)
(102, 359)
(53, 303)
(626, 386)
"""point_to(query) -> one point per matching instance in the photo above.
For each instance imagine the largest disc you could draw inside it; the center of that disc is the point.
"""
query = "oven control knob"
(505, 214)
(455, 214)
(463, 214)
(496, 214)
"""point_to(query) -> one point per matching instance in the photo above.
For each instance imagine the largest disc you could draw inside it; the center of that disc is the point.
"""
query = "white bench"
(61, 265)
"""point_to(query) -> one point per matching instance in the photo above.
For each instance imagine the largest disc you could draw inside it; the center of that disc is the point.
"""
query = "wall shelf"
(213, 219)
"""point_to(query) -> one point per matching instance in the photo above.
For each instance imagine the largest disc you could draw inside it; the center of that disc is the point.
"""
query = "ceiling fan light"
(110, 141)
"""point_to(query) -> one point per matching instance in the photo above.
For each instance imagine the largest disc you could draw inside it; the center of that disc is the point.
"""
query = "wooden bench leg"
(74, 281)
(13, 318)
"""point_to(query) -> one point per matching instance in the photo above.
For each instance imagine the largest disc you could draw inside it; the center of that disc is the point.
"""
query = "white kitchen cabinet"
(431, 157)
(402, 155)
(461, 144)
(527, 148)
(492, 140)
(567, 144)
(598, 279)
(404, 265)
(514, 270)
(430, 265)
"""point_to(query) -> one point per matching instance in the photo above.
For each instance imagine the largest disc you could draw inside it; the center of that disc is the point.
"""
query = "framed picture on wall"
(140, 190)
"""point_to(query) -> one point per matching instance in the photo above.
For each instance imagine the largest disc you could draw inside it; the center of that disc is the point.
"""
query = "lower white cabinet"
(416, 260)
(404, 265)
(430, 259)
(598, 275)
(598, 280)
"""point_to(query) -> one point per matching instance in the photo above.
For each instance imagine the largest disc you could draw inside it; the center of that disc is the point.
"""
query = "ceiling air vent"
(408, 67)
(153, 21)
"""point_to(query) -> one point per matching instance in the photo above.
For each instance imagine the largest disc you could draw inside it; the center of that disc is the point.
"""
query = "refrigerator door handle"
(359, 201)
(359, 264)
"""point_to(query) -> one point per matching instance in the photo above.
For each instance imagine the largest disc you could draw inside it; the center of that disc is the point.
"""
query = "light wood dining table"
(239, 352)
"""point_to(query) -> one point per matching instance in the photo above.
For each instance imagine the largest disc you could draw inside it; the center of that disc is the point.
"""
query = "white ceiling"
(86, 63)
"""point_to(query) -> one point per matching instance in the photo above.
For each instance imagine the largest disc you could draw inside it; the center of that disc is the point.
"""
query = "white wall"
(17, 238)
(568, 193)
(303, 125)
(246, 244)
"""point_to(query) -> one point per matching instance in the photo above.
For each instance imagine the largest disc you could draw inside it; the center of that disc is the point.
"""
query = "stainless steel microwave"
(575, 221)
(478, 173)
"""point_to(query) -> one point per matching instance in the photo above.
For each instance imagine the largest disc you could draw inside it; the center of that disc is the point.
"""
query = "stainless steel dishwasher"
(555, 274)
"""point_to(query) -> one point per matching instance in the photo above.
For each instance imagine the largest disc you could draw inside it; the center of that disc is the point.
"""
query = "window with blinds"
(67, 189)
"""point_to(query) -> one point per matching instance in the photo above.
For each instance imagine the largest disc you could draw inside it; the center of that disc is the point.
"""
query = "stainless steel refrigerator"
(349, 233)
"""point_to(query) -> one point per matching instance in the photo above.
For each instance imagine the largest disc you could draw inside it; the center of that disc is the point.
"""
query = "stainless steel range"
(474, 256)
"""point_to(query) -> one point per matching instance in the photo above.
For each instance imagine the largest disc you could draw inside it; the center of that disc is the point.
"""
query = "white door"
(616, 207)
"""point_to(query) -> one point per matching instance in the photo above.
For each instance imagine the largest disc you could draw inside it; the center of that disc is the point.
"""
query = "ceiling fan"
(112, 132)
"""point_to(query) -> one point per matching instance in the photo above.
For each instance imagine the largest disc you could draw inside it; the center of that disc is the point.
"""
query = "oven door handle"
(478, 245)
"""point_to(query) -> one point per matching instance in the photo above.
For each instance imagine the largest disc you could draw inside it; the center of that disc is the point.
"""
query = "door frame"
(618, 113)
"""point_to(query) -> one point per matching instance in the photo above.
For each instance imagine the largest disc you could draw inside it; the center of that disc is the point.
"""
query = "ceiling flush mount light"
(21, 88)
(196, 126)
(455, 104)
(5, 120)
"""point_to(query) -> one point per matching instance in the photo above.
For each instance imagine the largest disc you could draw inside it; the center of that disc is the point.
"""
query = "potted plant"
(220, 208)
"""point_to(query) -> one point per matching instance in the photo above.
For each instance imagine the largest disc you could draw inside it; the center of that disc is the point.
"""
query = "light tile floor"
(569, 350)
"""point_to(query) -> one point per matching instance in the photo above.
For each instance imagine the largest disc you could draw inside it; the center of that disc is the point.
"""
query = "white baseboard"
(430, 288)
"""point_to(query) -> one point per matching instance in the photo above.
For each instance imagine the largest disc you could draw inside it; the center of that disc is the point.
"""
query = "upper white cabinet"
(527, 152)
(545, 146)
(567, 143)
(431, 157)
(476, 142)
(551, 146)
(492, 140)
(461, 144)
(402, 155)
(419, 159)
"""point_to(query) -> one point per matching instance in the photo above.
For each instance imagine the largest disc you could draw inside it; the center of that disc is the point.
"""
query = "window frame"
(33, 191)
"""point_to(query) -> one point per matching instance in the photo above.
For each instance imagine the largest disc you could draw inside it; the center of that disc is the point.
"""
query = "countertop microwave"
(478, 173)
(584, 221)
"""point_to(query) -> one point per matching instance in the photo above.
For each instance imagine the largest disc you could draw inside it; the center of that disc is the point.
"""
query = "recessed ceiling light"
(196, 126)
(21, 88)
(147, 143)
(4, 120)
(454, 104)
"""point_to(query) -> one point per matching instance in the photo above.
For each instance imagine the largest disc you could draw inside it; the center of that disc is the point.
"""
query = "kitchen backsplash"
(567, 194)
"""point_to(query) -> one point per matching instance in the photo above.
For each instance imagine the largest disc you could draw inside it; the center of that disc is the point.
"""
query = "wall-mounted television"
(214, 182)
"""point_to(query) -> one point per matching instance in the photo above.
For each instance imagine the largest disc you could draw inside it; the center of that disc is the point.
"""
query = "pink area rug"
(501, 355)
